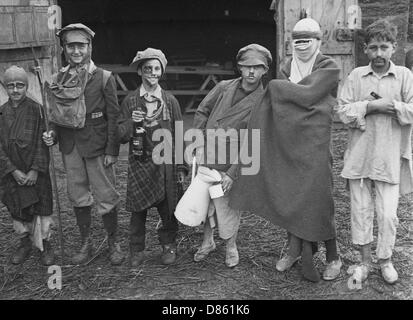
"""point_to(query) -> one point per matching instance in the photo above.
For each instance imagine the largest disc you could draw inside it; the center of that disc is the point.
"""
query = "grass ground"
(260, 245)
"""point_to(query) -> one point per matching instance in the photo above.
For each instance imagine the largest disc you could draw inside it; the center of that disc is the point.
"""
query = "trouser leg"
(228, 218)
(331, 250)
(387, 199)
(103, 182)
(137, 230)
(362, 211)
(78, 188)
(295, 246)
(309, 270)
(169, 229)
(208, 237)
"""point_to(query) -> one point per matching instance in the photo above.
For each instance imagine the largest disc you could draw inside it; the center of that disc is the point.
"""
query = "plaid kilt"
(146, 184)
(12, 199)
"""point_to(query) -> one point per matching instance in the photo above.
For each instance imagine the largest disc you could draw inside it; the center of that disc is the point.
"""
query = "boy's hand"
(31, 178)
(199, 155)
(48, 138)
(138, 116)
(226, 183)
(383, 105)
(109, 160)
(19, 176)
(181, 176)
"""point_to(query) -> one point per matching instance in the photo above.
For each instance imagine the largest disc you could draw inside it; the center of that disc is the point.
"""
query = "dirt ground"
(260, 245)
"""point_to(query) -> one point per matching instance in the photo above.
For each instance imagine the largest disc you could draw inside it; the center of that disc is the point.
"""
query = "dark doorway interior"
(210, 30)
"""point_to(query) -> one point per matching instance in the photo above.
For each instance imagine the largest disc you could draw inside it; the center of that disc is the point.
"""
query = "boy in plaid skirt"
(24, 169)
(151, 183)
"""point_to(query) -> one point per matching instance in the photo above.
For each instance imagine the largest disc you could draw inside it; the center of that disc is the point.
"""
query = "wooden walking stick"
(37, 70)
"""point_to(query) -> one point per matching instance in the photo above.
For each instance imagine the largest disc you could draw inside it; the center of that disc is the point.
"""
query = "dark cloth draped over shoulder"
(293, 188)
(22, 148)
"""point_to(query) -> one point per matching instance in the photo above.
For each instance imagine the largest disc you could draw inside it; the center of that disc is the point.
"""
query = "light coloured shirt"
(379, 145)
(151, 99)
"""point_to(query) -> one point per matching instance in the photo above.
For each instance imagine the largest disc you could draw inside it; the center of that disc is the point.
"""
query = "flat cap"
(149, 53)
(76, 32)
(254, 55)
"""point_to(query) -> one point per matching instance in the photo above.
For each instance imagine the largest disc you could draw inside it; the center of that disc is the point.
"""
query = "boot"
(110, 223)
(168, 253)
(23, 251)
(47, 257)
(84, 219)
(136, 257)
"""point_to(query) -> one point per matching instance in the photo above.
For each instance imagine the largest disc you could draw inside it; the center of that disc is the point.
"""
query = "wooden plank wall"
(24, 58)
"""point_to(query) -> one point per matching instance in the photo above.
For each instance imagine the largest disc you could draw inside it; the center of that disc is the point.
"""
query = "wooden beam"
(117, 68)
(174, 92)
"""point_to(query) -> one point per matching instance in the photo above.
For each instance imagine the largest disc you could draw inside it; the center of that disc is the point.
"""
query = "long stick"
(52, 166)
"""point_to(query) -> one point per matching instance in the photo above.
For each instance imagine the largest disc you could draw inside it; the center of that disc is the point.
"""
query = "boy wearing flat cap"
(150, 182)
(293, 188)
(228, 106)
(24, 169)
(89, 153)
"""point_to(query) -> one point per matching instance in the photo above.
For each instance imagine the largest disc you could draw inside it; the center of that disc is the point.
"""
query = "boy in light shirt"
(376, 102)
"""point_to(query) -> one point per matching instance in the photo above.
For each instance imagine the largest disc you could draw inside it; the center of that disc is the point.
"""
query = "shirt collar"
(391, 71)
(157, 93)
(240, 88)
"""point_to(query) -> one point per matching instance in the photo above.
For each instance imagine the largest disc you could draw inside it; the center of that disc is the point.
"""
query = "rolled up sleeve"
(351, 112)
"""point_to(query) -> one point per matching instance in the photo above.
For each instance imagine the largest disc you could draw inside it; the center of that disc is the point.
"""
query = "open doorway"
(189, 32)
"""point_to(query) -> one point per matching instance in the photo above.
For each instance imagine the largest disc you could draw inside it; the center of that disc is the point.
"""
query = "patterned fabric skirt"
(146, 184)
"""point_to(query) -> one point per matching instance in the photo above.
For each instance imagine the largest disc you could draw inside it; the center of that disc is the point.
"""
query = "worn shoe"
(168, 254)
(23, 251)
(84, 254)
(203, 252)
(332, 270)
(116, 255)
(388, 272)
(47, 257)
(231, 257)
(359, 272)
(286, 263)
(136, 258)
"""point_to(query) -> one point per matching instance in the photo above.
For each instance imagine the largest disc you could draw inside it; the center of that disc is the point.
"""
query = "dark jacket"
(98, 136)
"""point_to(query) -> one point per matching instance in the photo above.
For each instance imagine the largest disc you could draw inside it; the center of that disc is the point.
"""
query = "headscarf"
(306, 46)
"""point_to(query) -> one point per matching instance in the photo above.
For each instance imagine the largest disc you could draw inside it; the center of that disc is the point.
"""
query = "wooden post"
(280, 39)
